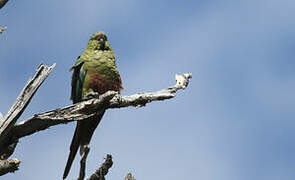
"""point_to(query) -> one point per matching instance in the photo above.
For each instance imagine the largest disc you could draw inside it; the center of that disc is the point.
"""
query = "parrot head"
(99, 41)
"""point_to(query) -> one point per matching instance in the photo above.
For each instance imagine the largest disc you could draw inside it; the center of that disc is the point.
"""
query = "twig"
(83, 163)
(141, 99)
(21, 103)
(2, 3)
(100, 173)
(4, 28)
(7, 166)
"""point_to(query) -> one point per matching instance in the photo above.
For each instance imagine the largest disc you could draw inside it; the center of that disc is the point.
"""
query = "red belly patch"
(101, 84)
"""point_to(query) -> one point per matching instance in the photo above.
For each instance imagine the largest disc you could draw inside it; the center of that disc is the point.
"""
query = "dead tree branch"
(79, 111)
(10, 132)
(1, 118)
(100, 173)
(88, 108)
(8, 151)
(7, 166)
(141, 99)
(2, 3)
(20, 104)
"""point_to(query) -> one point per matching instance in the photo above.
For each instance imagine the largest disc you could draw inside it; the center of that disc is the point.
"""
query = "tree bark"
(21, 103)
(2, 3)
(88, 108)
(7, 166)
(100, 173)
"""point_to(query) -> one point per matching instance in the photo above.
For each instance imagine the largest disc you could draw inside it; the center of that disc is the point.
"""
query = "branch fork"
(10, 132)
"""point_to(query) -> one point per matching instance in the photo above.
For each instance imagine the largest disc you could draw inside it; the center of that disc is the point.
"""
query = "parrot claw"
(91, 95)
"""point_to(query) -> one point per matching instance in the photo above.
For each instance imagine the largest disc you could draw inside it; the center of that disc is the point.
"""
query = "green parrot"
(95, 71)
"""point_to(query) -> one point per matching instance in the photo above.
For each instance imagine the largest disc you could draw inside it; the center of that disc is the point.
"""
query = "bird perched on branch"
(95, 72)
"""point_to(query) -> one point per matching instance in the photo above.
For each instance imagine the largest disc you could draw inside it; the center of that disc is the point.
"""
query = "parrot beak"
(101, 41)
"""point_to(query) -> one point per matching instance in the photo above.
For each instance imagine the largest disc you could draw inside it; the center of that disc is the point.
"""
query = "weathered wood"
(2, 3)
(8, 151)
(7, 166)
(76, 112)
(21, 103)
(100, 173)
(88, 108)
(1, 118)
(141, 99)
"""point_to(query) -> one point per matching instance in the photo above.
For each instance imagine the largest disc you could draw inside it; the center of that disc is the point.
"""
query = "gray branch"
(10, 132)
(7, 166)
(100, 173)
(75, 112)
(8, 151)
(8, 122)
(141, 99)
(1, 118)
(2, 3)
(88, 108)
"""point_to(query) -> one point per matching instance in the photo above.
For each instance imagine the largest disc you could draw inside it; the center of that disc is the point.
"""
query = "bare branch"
(8, 151)
(2, 3)
(78, 111)
(4, 28)
(7, 166)
(103, 170)
(1, 118)
(21, 103)
(141, 99)
(88, 108)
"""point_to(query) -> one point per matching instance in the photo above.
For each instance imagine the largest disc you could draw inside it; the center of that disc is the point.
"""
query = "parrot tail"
(82, 136)
(88, 129)
(73, 149)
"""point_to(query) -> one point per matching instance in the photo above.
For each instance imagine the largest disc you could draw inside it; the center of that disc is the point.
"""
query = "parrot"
(95, 71)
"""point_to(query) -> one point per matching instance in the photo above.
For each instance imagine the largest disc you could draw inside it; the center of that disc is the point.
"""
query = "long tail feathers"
(87, 129)
(82, 136)
(73, 149)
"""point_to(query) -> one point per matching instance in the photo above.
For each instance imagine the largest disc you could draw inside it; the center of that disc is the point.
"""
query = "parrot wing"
(76, 95)
(78, 78)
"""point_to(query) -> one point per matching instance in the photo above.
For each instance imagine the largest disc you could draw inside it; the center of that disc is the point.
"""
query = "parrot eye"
(101, 37)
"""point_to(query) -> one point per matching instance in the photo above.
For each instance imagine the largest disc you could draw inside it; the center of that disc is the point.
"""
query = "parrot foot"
(91, 95)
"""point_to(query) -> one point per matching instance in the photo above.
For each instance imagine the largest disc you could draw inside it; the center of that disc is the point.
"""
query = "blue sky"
(235, 121)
